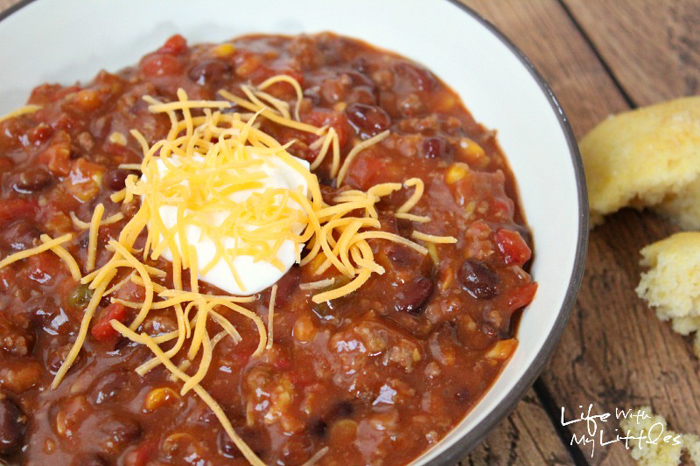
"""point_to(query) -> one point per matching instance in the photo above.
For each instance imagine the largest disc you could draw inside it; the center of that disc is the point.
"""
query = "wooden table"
(602, 57)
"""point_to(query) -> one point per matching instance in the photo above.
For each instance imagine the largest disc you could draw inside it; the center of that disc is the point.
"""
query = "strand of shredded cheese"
(82, 333)
(356, 151)
(25, 110)
(433, 239)
(80, 225)
(35, 250)
(65, 256)
(94, 231)
(340, 233)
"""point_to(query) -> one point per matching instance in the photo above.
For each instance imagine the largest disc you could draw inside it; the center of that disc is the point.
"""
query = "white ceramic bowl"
(68, 40)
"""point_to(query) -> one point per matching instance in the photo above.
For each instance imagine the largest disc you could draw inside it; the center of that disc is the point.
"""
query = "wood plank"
(543, 31)
(526, 437)
(614, 352)
(652, 47)
(5, 4)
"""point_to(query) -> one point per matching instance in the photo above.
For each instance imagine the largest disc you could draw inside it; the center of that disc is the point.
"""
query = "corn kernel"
(416, 355)
(304, 329)
(117, 138)
(224, 50)
(456, 172)
(87, 99)
(471, 148)
(503, 349)
(159, 397)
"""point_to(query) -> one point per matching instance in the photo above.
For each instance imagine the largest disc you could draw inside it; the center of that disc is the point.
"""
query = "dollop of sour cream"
(254, 276)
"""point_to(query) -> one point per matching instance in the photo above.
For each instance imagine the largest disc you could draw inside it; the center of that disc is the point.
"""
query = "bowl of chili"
(433, 414)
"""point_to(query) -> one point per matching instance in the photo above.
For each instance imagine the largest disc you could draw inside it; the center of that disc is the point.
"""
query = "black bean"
(13, 426)
(120, 430)
(413, 296)
(478, 279)
(462, 395)
(318, 428)
(116, 179)
(33, 180)
(209, 70)
(436, 147)
(368, 120)
(257, 441)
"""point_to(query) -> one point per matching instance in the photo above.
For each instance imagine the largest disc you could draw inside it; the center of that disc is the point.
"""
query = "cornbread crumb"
(672, 283)
(692, 444)
(647, 453)
(646, 158)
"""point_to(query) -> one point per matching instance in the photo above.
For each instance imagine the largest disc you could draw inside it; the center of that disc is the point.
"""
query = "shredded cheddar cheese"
(65, 256)
(94, 231)
(25, 110)
(211, 153)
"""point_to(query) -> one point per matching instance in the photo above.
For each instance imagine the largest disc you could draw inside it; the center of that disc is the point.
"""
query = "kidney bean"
(413, 295)
(20, 235)
(436, 147)
(113, 386)
(116, 179)
(421, 78)
(478, 279)
(33, 180)
(335, 89)
(368, 120)
(13, 426)
(210, 70)
(120, 430)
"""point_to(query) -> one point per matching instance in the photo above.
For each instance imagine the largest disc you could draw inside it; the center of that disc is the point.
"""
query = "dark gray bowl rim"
(472, 438)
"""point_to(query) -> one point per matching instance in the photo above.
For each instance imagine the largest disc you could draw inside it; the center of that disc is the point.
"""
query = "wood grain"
(614, 352)
(652, 47)
(526, 437)
(599, 57)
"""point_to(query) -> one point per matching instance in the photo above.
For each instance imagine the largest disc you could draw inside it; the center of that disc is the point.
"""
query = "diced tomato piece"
(43, 268)
(56, 156)
(175, 45)
(337, 120)
(15, 209)
(522, 297)
(160, 65)
(513, 247)
(103, 330)
(366, 171)
(6, 164)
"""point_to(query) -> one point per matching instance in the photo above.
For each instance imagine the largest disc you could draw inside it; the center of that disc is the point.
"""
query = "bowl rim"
(471, 439)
